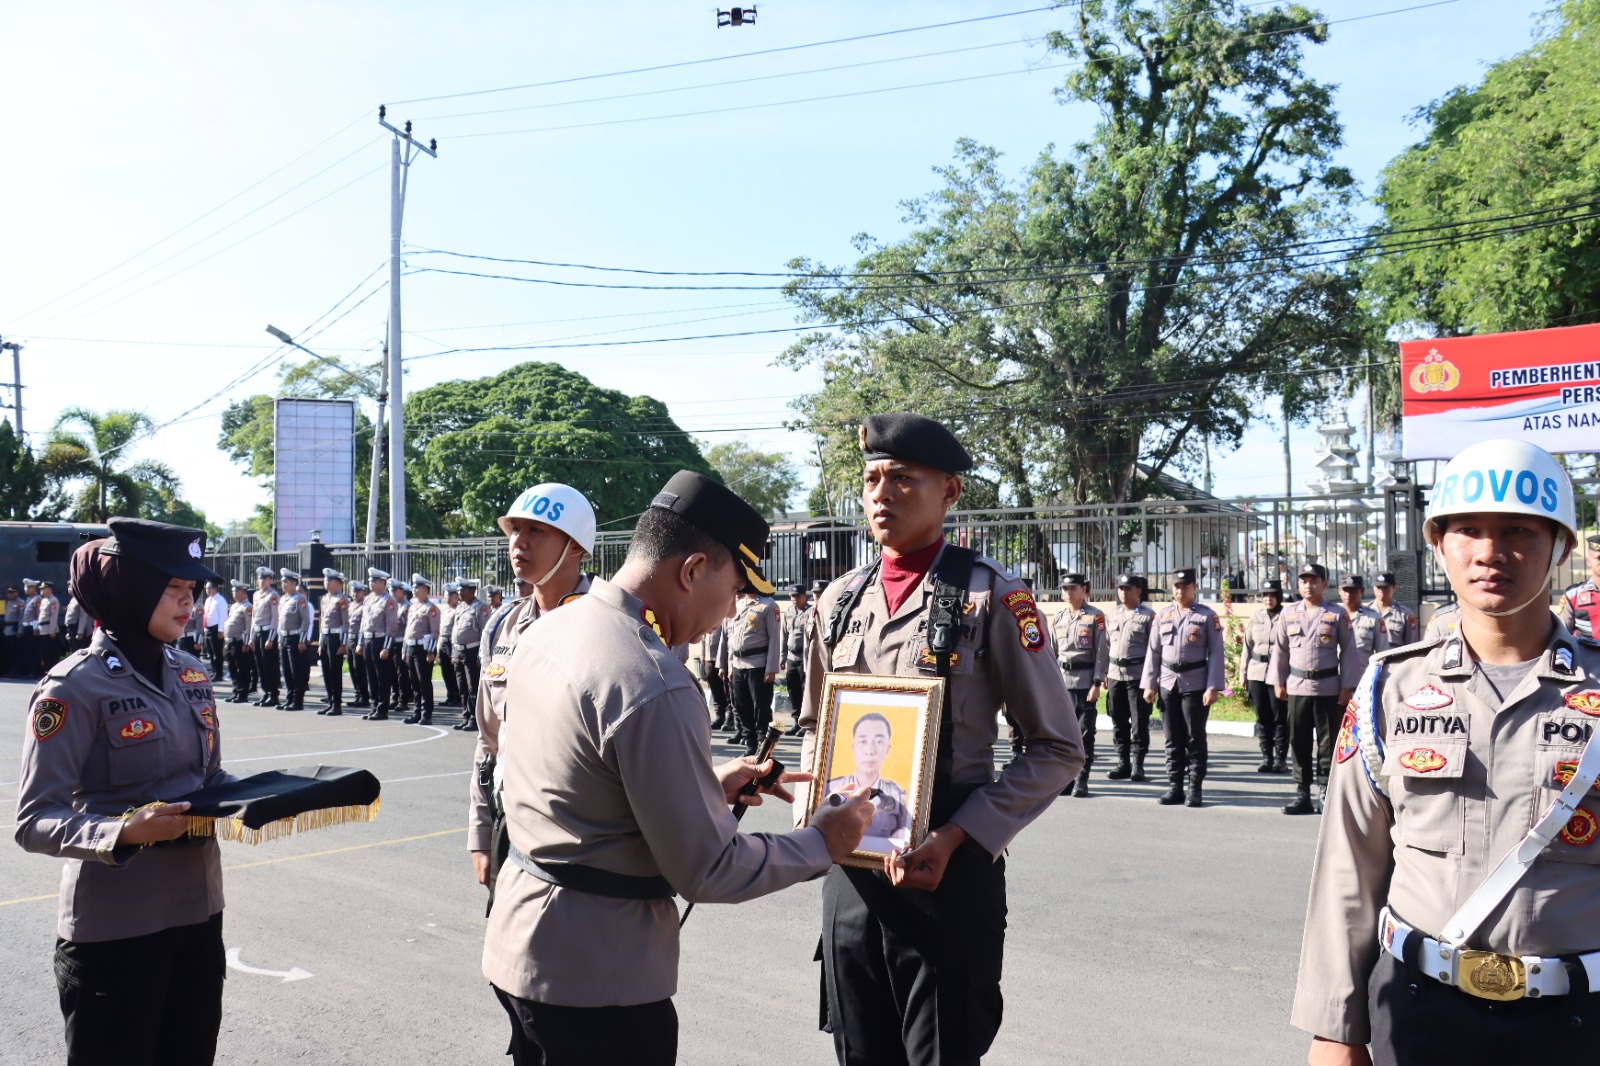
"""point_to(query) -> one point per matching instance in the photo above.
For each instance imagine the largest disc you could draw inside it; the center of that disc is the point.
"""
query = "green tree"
(1120, 305)
(765, 480)
(23, 488)
(1522, 139)
(83, 459)
(473, 446)
(165, 505)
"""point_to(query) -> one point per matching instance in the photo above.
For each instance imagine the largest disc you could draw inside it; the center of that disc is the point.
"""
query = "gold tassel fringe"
(234, 829)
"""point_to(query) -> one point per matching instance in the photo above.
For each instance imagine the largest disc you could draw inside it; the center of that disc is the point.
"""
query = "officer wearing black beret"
(116, 728)
(1255, 655)
(911, 955)
(1129, 625)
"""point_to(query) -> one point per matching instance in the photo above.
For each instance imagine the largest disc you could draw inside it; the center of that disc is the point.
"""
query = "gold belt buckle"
(1491, 975)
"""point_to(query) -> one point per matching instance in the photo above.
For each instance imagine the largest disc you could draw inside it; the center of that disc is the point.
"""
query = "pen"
(836, 798)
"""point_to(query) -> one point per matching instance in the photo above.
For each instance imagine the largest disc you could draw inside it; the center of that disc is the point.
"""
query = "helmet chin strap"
(550, 573)
(1544, 590)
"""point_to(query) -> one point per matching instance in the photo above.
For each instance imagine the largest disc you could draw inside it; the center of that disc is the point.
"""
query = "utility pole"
(377, 457)
(16, 389)
(399, 168)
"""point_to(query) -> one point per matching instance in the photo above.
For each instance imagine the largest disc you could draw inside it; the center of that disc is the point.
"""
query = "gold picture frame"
(891, 733)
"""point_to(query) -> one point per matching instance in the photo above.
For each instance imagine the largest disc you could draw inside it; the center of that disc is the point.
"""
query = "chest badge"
(192, 676)
(1423, 760)
(1587, 701)
(137, 729)
(207, 717)
(1581, 828)
(927, 658)
(495, 671)
(1429, 698)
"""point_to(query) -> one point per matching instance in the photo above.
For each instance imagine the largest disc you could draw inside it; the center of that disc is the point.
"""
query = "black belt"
(1258, 657)
(593, 880)
(1183, 668)
(1314, 675)
(1129, 662)
(1078, 664)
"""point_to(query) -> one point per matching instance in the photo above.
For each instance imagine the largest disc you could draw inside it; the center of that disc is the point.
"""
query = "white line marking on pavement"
(437, 733)
(294, 973)
(423, 777)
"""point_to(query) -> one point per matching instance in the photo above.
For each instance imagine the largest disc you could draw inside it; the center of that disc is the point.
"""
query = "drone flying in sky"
(737, 16)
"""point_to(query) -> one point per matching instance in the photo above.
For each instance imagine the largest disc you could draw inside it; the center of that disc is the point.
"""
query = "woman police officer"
(114, 728)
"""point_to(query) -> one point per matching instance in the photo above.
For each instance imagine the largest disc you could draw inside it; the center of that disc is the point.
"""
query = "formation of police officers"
(391, 634)
(38, 630)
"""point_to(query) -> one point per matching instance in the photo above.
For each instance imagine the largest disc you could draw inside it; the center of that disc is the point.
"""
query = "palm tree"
(82, 456)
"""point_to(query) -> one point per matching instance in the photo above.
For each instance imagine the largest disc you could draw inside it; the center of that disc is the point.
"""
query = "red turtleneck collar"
(902, 573)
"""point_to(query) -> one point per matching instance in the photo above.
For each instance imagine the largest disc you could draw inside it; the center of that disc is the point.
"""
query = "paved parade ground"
(1138, 933)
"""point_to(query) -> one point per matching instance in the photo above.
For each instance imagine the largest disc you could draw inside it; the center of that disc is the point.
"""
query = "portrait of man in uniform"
(870, 741)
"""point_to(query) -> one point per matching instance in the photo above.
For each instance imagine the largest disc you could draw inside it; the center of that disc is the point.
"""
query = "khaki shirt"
(335, 616)
(422, 624)
(609, 765)
(238, 624)
(1082, 645)
(1580, 610)
(13, 622)
(1400, 623)
(1130, 642)
(30, 610)
(1255, 653)
(711, 651)
(1490, 771)
(891, 818)
(1312, 640)
(101, 740)
(1184, 636)
(508, 625)
(1444, 623)
(380, 622)
(1004, 660)
(353, 627)
(1369, 636)
(49, 616)
(264, 612)
(466, 630)
(796, 627)
(295, 617)
(447, 622)
(753, 640)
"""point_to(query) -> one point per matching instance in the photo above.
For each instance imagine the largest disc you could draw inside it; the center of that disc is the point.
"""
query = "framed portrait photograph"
(881, 732)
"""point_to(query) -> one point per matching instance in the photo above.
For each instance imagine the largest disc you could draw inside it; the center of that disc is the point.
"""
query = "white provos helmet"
(560, 506)
(1503, 477)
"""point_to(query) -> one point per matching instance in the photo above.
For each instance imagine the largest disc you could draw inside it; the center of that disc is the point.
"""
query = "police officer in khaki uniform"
(1580, 604)
(28, 666)
(612, 801)
(380, 632)
(50, 647)
(796, 624)
(751, 653)
(447, 662)
(333, 622)
(119, 728)
(1083, 648)
(1399, 621)
(1366, 624)
(1255, 652)
(295, 619)
(264, 636)
(1185, 671)
(710, 654)
(421, 642)
(934, 919)
(466, 634)
(236, 630)
(1454, 914)
(358, 666)
(399, 673)
(1314, 668)
(1128, 626)
(1444, 622)
(550, 531)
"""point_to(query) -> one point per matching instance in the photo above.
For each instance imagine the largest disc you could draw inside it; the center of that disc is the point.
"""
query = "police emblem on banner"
(1434, 374)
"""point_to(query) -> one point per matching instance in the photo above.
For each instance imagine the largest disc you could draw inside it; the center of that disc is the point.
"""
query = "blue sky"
(181, 175)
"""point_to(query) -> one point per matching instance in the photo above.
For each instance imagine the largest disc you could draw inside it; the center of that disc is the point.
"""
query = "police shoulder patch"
(1346, 745)
(1029, 632)
(48, 716)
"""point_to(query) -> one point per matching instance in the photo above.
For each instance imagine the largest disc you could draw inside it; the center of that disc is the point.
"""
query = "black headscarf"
(121, 594)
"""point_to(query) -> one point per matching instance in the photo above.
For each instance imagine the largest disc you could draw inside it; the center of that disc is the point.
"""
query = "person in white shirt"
(216, 614)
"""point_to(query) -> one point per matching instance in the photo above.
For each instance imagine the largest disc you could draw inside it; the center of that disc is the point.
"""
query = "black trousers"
(420, 670)
(1183, 719)
(293, 662)
(1416, 1021)
(913, 978)
(719, 692)
(214, 649)
(153, 1000)
(358, 677)
(332, 661)
(28, 661)
(794, 679)
(378, 674)
(752, 703)
(1087, 714)
(1272, 718)
(467, 667)
(546, 1035)
(242, 667)
(266, 663)
(1308, 715)
(447, 673)
(402, 675)
(1130, 717)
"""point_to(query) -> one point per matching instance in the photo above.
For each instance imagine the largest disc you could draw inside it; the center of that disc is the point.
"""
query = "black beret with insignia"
(914, 438)
(1593, 541)
(1184, 575)
(1314, 570)
(1384, 579)
(176, 551)
(1272, 587)
(1352, 581)
(1074, 579)
(717, 511)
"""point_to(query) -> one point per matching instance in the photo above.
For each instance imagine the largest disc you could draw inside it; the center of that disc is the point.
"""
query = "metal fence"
(1241, 541)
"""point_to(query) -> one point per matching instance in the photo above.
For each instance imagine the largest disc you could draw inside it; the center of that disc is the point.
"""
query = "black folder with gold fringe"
(276, 803)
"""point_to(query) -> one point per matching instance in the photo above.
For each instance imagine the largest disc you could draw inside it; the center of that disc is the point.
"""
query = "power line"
(737, 55)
